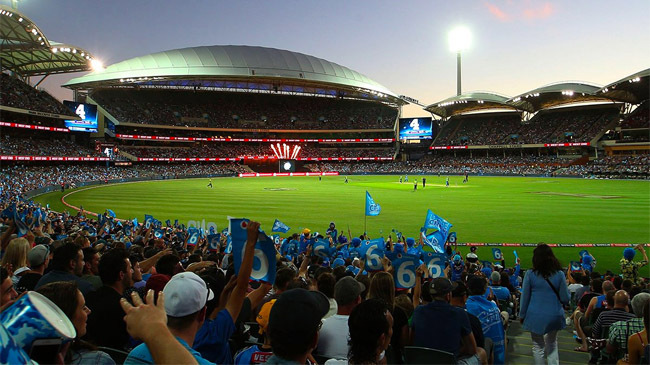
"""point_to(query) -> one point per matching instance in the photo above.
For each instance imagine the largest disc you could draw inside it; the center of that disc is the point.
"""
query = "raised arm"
(238, 294)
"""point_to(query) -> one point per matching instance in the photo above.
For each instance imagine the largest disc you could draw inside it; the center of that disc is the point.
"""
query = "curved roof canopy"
(24, 48)
(469, 102)
(557, 94)
(632, 89)
(246, 67)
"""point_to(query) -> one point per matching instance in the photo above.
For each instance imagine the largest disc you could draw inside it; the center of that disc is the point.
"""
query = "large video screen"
(87, 113)
(415, 128)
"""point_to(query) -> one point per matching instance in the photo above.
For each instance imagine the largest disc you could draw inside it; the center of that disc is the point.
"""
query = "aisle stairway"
(519, 350)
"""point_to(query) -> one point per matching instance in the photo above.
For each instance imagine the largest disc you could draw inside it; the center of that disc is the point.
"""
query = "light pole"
(459, 40)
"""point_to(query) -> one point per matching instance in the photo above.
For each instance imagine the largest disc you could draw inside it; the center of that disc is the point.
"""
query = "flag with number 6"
(435, 263)
(404, 266)
(263, 261)
(373, 251)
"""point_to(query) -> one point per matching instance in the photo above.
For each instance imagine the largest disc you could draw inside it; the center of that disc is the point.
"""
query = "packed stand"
(24, 178)
(243, 110)
(613, 167)
(546, 127)
(448, 164)
(44, 147)
(17, 94)
(357, 300)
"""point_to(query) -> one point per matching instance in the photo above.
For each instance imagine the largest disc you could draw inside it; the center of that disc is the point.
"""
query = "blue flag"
(180, 236)
(452, 237)
(434, 240)
(212, 230)
(404, 266)
(201, 232)
(213, 242)
(176, 223)
(127, 230)
(276, 238)
(264, 259)
(280, 227)
(228, 248)
(9, 211)
(372, 208)
(322, 248)
(435, 263)
(135, 222)
(436, 222)
(148, 220)
(168, 223)
(496, 253)
(110, 213)
(575, 266)
(373, 251)
(515, 253)
(193, 236)
(158, 233)
(21, 227)
(92, 232)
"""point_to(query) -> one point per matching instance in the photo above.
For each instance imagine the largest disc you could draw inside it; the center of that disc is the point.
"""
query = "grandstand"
(228, 111)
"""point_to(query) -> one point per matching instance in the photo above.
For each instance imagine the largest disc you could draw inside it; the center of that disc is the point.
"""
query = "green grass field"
(487, 209)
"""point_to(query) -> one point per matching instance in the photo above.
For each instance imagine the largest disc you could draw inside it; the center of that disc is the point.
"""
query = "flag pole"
(365, 224)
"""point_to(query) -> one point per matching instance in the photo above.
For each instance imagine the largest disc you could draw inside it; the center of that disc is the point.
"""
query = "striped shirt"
(607, 318)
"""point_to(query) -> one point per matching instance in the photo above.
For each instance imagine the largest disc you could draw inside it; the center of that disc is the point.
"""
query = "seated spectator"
(258, 354)
(69, 299)
(39, 258)
(620, 331)
(294, 323)
(7, 292)
(105, 327)
(459, 299)
(185, 298)
(15, 256)
(371, 328)
(456, 338)
(67, 265)
(489, 315)
(382, 286)
(333, 337)
(638, 345)
(325, 283)
(91, 267)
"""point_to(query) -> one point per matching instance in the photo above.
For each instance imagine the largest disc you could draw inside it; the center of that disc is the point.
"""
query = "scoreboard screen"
(88, 115)
(415, 128)
(287, 166)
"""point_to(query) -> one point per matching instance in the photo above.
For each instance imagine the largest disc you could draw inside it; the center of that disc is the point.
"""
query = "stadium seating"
(575, 125)
(17, 94)
(242, 110)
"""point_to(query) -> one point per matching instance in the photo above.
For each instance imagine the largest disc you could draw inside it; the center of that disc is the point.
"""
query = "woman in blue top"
(541, 312)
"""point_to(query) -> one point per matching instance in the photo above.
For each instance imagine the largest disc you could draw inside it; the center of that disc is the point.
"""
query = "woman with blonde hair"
(15, 258)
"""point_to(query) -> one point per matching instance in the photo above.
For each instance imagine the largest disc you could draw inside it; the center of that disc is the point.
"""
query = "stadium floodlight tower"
(459, 40)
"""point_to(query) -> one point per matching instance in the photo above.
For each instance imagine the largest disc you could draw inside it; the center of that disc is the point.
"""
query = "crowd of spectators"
(342, 305)
(236, 150)
(23, 178)
(43, 147)
(546, 127)
(17, 94)
(448, 164)
(613, 167)
(243, 110)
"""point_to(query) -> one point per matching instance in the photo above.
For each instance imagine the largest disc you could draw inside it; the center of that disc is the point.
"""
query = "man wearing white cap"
(185, 297)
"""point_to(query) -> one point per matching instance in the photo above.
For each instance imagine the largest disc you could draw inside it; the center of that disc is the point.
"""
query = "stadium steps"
(128, 156)
(519, 349)
(610, 125)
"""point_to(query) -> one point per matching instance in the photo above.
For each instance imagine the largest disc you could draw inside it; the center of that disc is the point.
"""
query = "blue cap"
(356, 242)
(457, 258)
(342, 239)
(486, 271)
(338, 262)
(399, 247)
(410, 241)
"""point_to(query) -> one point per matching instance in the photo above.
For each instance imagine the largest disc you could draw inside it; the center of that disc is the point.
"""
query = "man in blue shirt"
(489, 315)
(186, 296)
(455, 332)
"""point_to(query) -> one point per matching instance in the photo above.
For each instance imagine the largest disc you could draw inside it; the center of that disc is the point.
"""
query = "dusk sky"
(517, 45)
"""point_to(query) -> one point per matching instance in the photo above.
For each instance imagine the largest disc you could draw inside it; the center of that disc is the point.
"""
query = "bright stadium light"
(96, 65)
(460, 39)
